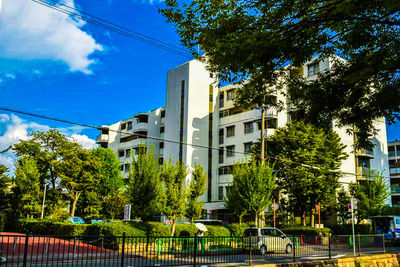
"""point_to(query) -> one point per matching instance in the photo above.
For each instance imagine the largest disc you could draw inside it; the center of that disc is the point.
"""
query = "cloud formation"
(19, 129)
(30, 31)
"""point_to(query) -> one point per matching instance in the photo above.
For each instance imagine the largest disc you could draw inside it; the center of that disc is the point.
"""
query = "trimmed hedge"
(237, 229)
(346, 229)
(306, 230)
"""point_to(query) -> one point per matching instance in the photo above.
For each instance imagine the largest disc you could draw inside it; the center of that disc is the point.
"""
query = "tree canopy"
(253, 39)
(196, 187)
(297, 146)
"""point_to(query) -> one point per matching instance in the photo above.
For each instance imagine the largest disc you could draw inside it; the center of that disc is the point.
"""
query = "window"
(272, 123)
(128, 152)
(123, 126)
(248, 127)
(160, 161)
(126, 168)
(162, 129)
(230, 94)
(129, 125)
(391, 151)
(121, 153)
(230, 131)
(224, 113)
(391, 162)
(121, 167)
(247, 147)
(162, 113)
(221, 193)
(230, 151)
(225, 170)
(221, 136)
(104, 131)
(221, 100)
(363, 162)
(313, 69)
(221, 155)
(161, 145)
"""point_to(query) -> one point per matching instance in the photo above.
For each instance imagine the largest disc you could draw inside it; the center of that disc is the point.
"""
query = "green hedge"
(346, 229)
(237, 229)
(306, 230)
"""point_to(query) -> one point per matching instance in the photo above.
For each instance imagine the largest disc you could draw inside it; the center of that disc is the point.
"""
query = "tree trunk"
(303, 219)
(173, 228)
(312, 219)
(75, 200)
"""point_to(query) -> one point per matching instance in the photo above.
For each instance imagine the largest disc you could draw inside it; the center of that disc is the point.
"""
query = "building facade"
(201, 125)
(394, 165)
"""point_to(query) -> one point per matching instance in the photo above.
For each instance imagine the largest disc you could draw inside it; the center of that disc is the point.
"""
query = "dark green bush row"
(306, 230)
(346, 229)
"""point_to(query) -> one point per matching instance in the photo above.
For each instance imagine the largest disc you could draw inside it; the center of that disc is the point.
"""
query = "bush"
(2, 220)
(216, 231)
(306, 230)
(185, 230)
(346, 229)
(237, 229)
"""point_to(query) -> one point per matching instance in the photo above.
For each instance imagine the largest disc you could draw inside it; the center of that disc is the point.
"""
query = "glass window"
(161, 145)
(266, 232)
(313, 69)
(221, 156)
(104, 131)
(123, 126)
(230, 151)
(128, 152)
(221, 193)
(221, 136)
(129, 125)
(250, 232)
(230, 131)
(272, 123)
(363, 162)
(162, 129)
(221, 100)
(247, 147)
(248, 127)
(162, 113)
(121, 153)
(161, 161)
(230, 94)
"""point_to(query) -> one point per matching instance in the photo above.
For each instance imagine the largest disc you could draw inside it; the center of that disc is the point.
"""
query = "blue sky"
(56, 66)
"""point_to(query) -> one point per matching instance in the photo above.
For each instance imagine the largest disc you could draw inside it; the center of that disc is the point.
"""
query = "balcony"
(395, 190)
(364, 173)
(102, 138)
(140, 126)
(369, 153)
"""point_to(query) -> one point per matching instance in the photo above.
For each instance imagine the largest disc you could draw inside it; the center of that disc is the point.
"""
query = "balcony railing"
(365, 152)
(364, 173)
(395, 189)
(102, 138)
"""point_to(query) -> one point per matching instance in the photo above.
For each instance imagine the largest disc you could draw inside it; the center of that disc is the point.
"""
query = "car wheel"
(263, 250)
(289, 249)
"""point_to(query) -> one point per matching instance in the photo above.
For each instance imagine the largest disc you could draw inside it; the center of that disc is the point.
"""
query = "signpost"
(318, 208)
(351, 207)
(127, 212)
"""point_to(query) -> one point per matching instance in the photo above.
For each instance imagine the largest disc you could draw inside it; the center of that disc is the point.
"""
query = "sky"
(54, 65)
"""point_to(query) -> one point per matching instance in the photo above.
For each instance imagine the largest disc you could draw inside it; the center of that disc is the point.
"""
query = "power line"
(114, 27)
(171, 141)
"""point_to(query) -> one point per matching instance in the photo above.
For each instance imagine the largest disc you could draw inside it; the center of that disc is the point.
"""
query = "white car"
(267, 240)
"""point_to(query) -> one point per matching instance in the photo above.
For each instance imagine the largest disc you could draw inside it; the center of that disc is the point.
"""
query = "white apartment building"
(199, 120)
(394, 165)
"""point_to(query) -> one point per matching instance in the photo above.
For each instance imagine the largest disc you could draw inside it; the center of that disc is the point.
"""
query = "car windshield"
(250, 232)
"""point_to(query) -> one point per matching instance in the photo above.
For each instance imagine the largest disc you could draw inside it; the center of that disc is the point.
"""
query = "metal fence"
(35, 250)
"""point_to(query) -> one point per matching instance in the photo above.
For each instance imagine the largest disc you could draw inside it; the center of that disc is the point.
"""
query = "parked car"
(267, 240)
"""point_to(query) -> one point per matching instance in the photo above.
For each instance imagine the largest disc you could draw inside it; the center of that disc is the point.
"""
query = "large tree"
(173, 177)
(253, 39)
(308, 159)
(27, 191)
(5, 188)
(371, 195)
(196, 187)
(252, 187)
(144, 185)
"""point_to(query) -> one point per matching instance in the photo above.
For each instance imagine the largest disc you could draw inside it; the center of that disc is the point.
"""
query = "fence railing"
(43, 250)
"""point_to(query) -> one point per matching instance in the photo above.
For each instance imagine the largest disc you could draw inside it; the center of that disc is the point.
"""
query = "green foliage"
(298, 143)
(371, 195)
(216, 231)
(388, 210)
(2, 221)
(251, 189)
(59, 214)
(346, 229)
(78, 174)
(253, 39)
(196, 188)
(343, 200)
(143, 189)
(187, 229)
(237, 229)
(173, 177)
(27, 191)
(304, 230)
(113, 205)
(5, 187)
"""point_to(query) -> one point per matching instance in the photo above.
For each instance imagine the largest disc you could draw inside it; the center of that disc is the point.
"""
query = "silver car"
(267, 240)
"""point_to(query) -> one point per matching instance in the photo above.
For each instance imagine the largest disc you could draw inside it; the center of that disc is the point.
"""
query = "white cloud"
(32, 31)
(84, 141)
(18, 129)
(4, 117)
(10, 76)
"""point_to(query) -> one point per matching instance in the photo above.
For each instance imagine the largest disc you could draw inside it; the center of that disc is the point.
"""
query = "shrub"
(306, 230)
(2, 220)
(346, 229)
(185, 230)
(216, 230)
(237, 229)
